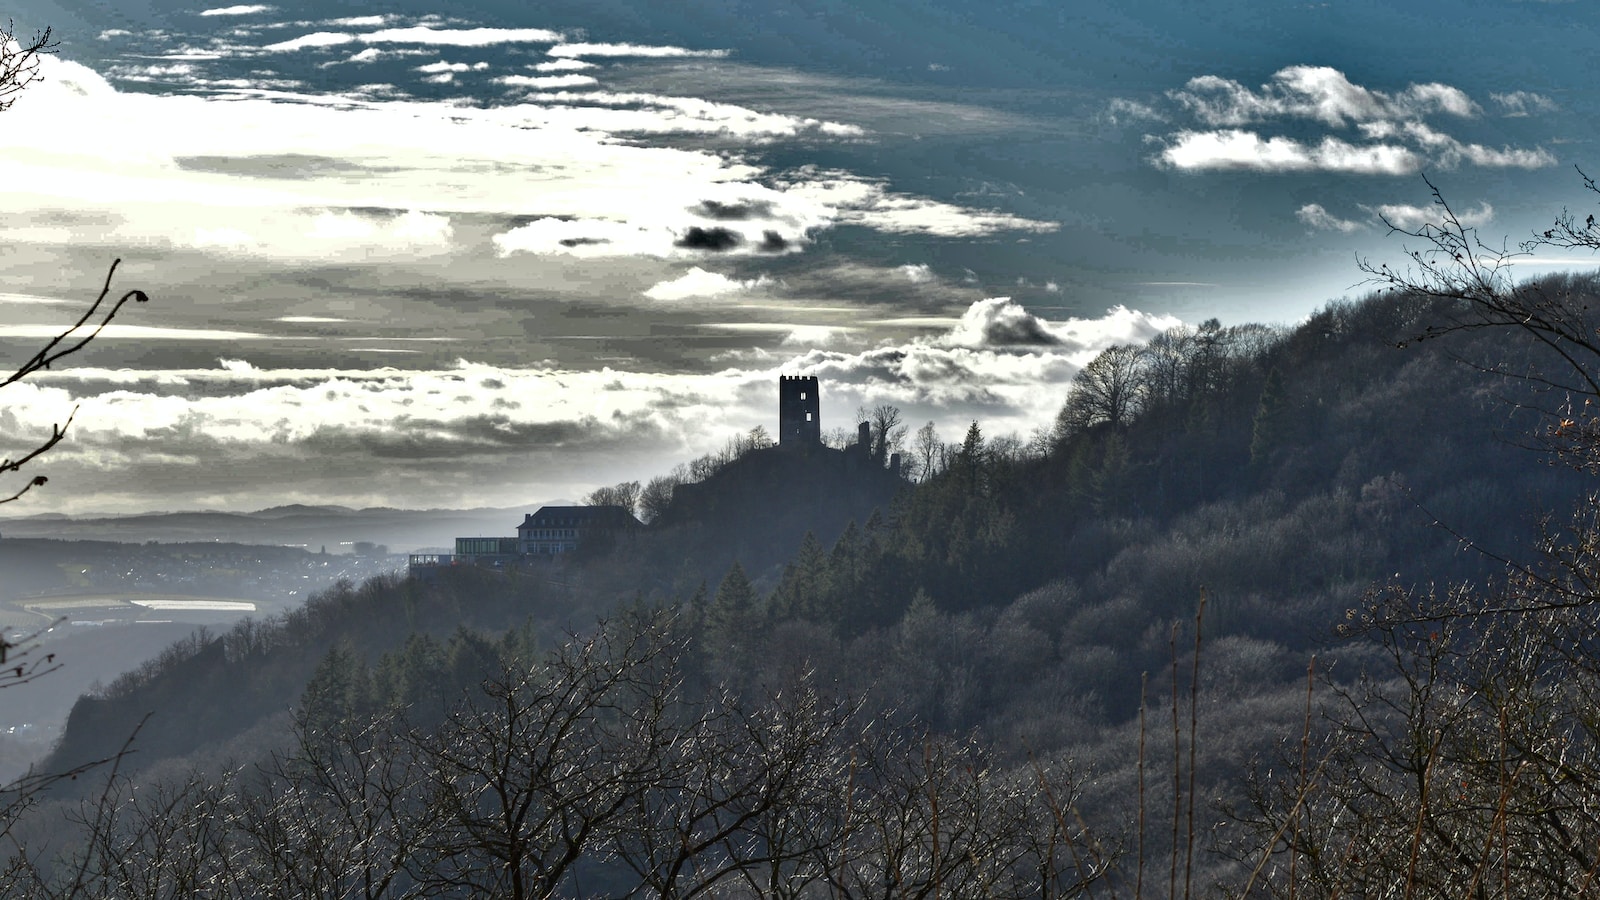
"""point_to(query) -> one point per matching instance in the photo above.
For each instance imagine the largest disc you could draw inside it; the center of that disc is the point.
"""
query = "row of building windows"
(547, 533)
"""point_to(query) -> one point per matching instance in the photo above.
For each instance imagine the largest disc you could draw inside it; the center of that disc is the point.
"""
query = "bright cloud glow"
(546, 82)
(1199, 151)
(697, 282)
(563, 65)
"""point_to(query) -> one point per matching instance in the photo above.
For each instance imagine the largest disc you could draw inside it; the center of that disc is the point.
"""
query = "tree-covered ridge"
(1035, 598)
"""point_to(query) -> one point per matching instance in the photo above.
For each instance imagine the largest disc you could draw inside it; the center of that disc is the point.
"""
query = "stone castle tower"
(799, 412)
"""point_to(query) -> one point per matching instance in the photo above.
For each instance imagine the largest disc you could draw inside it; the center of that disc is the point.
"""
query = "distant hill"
(312, 527)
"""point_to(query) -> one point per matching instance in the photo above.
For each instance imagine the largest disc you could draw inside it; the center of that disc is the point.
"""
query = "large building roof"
(603, 516)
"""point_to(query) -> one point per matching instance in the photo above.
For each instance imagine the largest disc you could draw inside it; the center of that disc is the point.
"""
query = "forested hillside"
(1020, 619)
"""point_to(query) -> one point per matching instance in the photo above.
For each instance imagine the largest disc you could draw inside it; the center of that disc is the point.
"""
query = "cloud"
(1313, 216)
(237, 10)
(635, 50)
(715, 239)
(442, 66)
(1122, 111)
(117, 331)
(546, 82)
(733, 212)
(1517, 104)
(1234, 149)
(241, 434)
(918, 273)
(859, 201)
(1319, 93)
(998, 322)
(698, 282)
(563, 65)
(1411, 218)
(1396, 138)
(818, 336)
(420, 34)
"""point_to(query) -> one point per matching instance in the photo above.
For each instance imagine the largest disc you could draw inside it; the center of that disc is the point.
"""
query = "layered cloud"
(287, 174)
(1327, 123)
(235, 434)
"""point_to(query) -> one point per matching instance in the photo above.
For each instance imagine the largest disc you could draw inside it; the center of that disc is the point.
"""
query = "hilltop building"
(799, 412)
(771, 484)
(552, 532)
(555, 530)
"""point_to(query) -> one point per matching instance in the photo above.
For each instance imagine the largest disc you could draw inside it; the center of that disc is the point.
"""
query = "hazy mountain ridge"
(402, 530)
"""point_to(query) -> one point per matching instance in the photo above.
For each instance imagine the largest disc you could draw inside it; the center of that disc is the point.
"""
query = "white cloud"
(818, 336)
(315, 39)
(563, 65)
(999, 322)
(237, 10)
(1401, 142)
(420, 34)
(1199, 151)
(1411, 218)
(1523, 103)
(546, 82)
(360, 21)
(635, 50)
(859, 201)
(1002, 323)
(1314, 216)
(918, 273)
(698, 282)
(442, 66)
(1314, 92)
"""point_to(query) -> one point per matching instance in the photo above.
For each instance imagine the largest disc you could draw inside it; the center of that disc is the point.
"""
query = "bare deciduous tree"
(1106, 391)
(19, 67)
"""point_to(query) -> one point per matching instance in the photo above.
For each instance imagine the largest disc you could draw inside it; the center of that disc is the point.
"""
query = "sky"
(461, 254)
